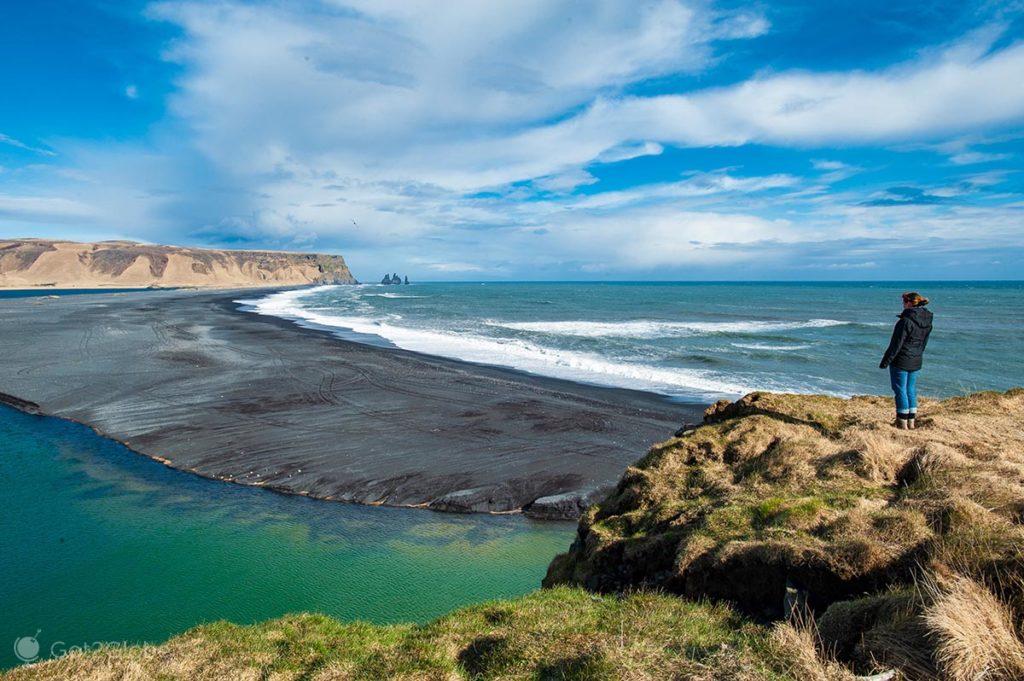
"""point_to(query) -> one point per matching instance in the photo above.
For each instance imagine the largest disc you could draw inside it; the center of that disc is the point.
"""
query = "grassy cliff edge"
(560, 633)
(889, 550)
(907, 547)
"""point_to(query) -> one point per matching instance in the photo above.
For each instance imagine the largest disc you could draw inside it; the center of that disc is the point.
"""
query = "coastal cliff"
(907, 547)
(785, 537)
(32, 263)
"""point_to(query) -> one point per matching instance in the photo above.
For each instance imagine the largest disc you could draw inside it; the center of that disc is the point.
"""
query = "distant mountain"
(29, 263)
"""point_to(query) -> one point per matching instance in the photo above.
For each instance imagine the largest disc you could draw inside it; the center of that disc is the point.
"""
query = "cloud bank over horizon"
(676, 139)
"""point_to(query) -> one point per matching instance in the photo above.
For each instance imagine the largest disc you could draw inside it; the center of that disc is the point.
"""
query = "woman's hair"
(915, 299)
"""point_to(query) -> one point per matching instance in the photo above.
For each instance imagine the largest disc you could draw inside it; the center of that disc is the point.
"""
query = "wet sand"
(187, 378)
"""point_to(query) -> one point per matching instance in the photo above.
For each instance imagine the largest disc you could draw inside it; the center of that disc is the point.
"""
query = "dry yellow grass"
(824, 495)
(799, 648)
(973, 633)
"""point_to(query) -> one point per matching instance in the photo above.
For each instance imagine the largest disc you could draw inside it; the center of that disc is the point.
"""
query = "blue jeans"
(904, 386)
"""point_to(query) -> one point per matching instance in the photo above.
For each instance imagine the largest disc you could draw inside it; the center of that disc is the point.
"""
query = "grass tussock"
(973, 632)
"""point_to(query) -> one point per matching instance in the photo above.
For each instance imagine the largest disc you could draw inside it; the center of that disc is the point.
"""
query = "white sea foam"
(390, 295)
(658, 329)
(515, 353)
(284, 302)
(765, 346)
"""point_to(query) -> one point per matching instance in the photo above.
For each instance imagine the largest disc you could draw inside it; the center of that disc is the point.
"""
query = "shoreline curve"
(188, 379)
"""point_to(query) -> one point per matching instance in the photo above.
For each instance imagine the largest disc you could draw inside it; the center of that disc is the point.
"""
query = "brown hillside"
(31, 263)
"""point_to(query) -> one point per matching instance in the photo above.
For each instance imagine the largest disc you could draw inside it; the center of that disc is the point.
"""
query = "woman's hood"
(921, 316)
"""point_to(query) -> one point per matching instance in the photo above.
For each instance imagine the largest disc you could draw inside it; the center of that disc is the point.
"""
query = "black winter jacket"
(909, 339)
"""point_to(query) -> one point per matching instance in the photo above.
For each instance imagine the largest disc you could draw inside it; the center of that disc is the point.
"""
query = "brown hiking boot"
(901, 424)
(911, 425)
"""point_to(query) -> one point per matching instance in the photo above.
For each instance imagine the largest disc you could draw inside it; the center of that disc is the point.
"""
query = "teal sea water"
(693, 341)
(99, 544)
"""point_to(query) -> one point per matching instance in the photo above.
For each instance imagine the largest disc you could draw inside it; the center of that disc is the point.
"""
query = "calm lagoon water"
(98, 543)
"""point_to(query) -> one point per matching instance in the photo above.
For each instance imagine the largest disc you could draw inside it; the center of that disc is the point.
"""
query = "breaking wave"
(508, 352)
(658, 329)
(774, 348)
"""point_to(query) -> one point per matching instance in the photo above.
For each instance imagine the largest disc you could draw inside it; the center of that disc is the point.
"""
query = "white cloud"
(972, 157)
(954, 91)
(834, 171)
(562, 182)
(822, 164)
(660, 237)
(628, 150)
(852, 265)
(454, 134)
(10, 141)
(131, 91)
(695, 186)
(44, 209)
(398, 88)
(454, 267)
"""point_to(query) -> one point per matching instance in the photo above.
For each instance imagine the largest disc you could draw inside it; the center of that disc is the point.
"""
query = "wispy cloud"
(562, 182)
(457, 267)
(905, 196)
(962, 88)
(44, 209)
(10, 141)
(974, 157)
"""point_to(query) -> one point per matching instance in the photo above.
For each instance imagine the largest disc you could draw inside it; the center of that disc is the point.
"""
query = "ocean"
(689, 341)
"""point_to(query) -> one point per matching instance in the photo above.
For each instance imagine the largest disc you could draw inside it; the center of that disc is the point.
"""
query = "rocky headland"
(35, 263)
(785, 537)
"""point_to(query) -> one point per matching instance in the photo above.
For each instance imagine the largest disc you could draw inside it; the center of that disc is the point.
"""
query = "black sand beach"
(188, 379)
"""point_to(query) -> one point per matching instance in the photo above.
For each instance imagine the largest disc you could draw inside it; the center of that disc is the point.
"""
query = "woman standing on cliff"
(903, 356)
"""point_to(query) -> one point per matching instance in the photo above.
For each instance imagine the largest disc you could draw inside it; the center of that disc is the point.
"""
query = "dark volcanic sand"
(187, 378)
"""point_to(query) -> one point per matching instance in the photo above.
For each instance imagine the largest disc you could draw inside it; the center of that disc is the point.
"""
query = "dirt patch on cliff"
(15, 257)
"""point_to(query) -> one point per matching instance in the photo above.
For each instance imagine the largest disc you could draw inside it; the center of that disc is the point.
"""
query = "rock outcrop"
(390, 279)
(30, 263)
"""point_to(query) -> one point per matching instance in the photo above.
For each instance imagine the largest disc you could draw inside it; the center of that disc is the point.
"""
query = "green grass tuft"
(560, 633)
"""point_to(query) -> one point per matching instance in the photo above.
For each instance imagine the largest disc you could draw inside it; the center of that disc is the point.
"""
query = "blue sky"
(528, 139)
